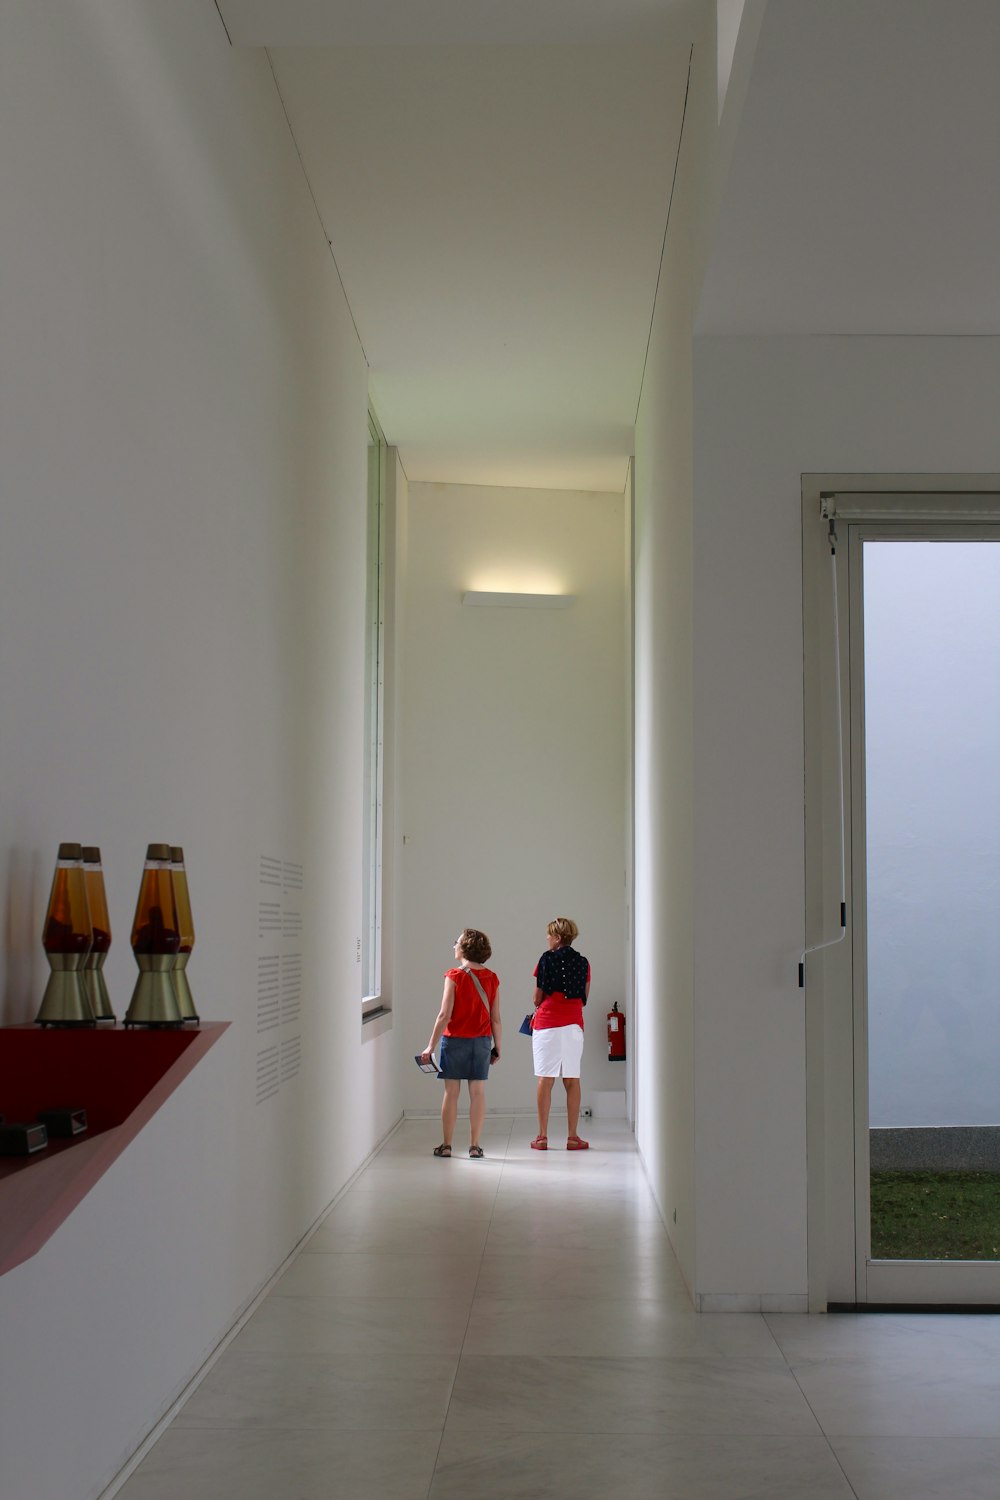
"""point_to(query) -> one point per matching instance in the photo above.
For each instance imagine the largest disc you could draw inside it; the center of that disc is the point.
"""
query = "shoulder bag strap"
(482, 993)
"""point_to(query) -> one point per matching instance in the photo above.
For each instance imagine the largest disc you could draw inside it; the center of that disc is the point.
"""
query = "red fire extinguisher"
(616, 1034)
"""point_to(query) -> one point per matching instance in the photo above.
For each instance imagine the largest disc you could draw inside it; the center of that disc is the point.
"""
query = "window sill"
(375, 1022)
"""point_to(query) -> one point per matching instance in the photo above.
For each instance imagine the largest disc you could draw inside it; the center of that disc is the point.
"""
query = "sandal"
(475, 1152)
(442, 1150)
(540, 1143)
(574, 1143)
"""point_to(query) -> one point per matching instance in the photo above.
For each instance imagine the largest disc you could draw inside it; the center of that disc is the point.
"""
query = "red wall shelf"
(119, 1077)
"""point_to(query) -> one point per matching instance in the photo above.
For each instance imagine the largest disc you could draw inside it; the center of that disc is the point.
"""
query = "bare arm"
(443, 1017)
(496, 1024)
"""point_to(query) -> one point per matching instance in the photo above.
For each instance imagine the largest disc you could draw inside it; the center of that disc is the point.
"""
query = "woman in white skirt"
(562, 984)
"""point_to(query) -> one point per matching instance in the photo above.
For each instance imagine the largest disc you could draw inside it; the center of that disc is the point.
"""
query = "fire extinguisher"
(616, 1034)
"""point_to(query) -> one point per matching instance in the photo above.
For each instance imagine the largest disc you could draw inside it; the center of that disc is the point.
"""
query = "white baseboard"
(752, 1302)
(527, 1113)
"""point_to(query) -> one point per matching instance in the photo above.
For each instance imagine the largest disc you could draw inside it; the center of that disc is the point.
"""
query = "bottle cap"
(176, 854)
(90, 854)
(158, 851)
(69, 851)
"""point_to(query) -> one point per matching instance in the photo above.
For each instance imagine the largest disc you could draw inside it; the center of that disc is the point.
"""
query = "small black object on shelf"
(63, 1123)
(22, 1140)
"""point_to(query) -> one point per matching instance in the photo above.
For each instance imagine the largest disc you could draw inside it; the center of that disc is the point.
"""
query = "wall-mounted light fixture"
(481, 598)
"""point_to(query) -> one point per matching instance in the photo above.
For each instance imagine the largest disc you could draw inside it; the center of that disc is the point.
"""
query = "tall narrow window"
(371, 937)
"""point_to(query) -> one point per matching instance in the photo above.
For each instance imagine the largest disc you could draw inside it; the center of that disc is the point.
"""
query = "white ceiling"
(496, 198)
(863, 195)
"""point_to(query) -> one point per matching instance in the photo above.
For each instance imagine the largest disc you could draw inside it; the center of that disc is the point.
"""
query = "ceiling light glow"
(494, 598)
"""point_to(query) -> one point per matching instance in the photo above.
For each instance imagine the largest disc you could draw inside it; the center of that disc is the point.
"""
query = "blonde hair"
(475, 945)
(565, 929)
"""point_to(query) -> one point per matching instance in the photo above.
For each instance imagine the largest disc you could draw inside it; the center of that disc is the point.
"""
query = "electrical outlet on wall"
(587, 1111)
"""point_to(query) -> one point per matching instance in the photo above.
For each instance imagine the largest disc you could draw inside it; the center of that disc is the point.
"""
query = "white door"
(911, 997)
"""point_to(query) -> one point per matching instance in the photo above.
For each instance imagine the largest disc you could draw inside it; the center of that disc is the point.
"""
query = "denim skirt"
(465, 1057)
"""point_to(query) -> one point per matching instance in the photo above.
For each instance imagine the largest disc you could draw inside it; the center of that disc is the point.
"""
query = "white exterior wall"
(181, 616)
(767, 411)
(504, 830)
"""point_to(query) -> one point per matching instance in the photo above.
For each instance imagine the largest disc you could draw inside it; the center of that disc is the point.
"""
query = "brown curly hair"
(475, 945)
(565, 929)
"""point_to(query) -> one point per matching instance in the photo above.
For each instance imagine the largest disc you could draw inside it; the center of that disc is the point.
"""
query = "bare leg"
(449, 1109)
(572, 1086)
(544, 1101)
(477, 1109)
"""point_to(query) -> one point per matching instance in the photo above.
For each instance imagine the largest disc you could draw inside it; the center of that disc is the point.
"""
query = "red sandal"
(540, 1143)
(574, 1143)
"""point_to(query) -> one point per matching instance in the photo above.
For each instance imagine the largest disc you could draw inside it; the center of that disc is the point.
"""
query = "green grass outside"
(935, 1215)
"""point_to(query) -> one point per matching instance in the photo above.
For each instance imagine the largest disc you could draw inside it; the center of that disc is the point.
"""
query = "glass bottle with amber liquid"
(185, 924)
(66, 938)
(155, 943)
(93, 969)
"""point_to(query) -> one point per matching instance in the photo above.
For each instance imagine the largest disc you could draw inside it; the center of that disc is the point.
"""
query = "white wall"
(664, 762)
(514, 762)
(767, 411)
(181, 616)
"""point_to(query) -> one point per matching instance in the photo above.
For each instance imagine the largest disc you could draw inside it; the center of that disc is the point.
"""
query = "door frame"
(841, 1272)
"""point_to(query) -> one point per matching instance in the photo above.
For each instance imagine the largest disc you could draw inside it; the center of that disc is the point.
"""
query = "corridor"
(517, 1327)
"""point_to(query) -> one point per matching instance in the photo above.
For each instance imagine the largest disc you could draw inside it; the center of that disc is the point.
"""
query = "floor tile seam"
(609, 1303)
(504, 1262)
(836, 1458)
(637, 1242)
(765, 1317)
(610, 1251)
(579, 1355)
(427, 1217)
(386, 1247)
(927, 1432)
(654, 1437)
(306, 1357)
(825, 1435)
(582, 1222)
(406, 1297)
(363, 1297)
(655, 1427)
(390, 1246)
(259, 1425)
(586, 1217)
(537, 1297)
(468, 1321)
(386, 1244)
(744, 1362)
(896, 1366)
(842, 1438)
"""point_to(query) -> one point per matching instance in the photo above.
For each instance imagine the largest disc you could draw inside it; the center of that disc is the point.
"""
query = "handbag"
(525, 1026)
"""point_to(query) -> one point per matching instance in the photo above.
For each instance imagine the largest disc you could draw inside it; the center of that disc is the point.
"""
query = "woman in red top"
(562, 984)
(468, 1027)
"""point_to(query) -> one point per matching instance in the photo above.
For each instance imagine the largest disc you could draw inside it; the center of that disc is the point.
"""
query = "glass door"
(925, 836)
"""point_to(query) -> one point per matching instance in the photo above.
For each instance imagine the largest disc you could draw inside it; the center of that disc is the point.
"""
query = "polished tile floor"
(517, 1327)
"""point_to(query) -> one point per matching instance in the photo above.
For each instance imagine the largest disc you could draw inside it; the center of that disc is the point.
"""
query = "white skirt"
(557, 1051)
